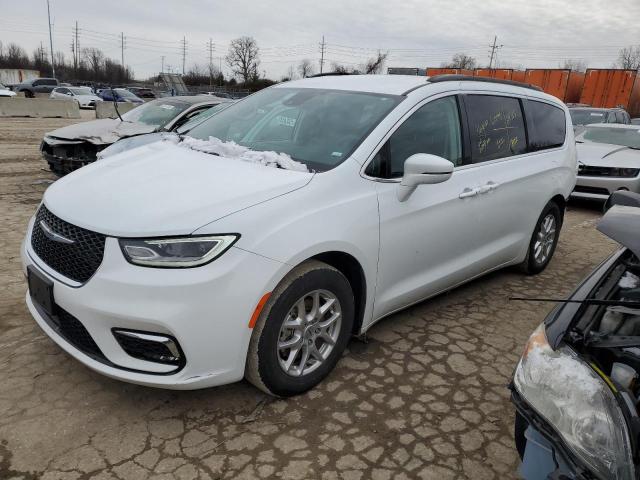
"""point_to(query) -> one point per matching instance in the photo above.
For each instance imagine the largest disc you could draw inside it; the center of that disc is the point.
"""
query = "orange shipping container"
(553, 81)
(431, 72)
(518, 76)
(499, 73)
(609, 88)
(574, 87)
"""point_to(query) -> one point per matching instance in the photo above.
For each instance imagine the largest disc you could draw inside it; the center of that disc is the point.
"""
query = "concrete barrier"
(107, 110)
(38, 107)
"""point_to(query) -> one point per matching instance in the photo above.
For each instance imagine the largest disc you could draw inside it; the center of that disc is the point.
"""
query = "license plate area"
(41, 290)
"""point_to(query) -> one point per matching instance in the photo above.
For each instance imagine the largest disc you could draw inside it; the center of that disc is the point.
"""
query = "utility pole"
(184, 52)
(211, 48)
(494, 50)
(162, 67)
(322, 45)
(53, 67)
(77, 60)
(122, 49)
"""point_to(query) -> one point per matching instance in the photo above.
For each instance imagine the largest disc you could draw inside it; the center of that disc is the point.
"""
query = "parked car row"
(252, 239)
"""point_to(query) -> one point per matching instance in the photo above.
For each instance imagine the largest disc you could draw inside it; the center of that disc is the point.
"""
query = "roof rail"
(330, 74)
(469, 78)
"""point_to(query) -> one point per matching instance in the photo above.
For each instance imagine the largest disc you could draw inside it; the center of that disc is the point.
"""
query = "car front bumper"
(599, 188)
(206, 309)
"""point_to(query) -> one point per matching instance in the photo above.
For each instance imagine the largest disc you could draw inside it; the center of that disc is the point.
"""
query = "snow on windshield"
(233, 150)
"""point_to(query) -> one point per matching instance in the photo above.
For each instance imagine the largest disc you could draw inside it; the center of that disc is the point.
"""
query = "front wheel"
(302, 330)
(544, 240)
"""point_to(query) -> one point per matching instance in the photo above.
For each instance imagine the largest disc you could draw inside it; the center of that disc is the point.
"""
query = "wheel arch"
(561, 202)
(350, 267)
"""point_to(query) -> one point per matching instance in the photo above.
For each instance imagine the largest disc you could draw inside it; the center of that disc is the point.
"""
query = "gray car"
(583, 115)
(608, 160)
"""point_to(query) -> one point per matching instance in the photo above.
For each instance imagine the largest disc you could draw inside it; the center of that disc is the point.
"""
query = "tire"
(535, 263)
(28, 94)
(266, 364)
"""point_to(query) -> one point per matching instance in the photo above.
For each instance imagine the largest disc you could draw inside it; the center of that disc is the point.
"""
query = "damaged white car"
(69, 148)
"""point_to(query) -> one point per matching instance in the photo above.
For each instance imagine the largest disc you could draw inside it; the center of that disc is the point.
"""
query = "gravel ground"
(424, 397)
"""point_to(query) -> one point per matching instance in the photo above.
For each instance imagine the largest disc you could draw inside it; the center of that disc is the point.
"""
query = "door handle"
(468, 192)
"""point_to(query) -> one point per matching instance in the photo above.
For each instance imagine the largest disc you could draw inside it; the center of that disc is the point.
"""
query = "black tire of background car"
(28, 94)
(530, 266)
(262, 368)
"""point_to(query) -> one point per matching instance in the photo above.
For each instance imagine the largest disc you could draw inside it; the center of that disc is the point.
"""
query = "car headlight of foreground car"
(176, 252)
(578, 404)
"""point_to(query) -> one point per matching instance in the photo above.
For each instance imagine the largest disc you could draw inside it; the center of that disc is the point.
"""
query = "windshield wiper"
(586, 301)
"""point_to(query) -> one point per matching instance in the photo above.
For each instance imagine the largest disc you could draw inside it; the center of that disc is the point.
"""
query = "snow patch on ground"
(233, 150)
(629, 280)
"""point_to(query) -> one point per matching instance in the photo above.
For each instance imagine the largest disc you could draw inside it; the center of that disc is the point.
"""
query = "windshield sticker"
(167, 107)
(336, 154)
(286, 121)
(596, 114)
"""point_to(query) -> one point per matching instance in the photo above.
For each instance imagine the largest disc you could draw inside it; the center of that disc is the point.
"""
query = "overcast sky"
(416, 33)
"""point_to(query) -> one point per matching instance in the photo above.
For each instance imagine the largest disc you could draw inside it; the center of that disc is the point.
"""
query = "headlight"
(624, 172)
(176, 252)
(578, 404)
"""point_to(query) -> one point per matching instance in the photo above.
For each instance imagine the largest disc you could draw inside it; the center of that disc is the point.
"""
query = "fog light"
(151, 347)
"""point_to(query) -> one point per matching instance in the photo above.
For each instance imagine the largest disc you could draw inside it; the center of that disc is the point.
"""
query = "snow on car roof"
(386, 84)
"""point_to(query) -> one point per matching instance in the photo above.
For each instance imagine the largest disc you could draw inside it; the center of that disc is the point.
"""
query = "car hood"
(101, 132)
(606, 155)
(164, 189)
(85, 98)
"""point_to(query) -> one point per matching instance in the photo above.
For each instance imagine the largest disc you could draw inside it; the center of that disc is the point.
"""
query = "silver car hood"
(622, 224)
(100, 132)
(606, 155)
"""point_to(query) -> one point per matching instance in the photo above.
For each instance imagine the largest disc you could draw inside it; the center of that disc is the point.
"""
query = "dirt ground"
(424, 398)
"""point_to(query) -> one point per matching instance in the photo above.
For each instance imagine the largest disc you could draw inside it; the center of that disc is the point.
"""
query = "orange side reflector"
(258, 310)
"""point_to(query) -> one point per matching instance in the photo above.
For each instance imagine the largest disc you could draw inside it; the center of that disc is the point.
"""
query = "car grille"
(72, 330)
(78, 260)
(594, 190)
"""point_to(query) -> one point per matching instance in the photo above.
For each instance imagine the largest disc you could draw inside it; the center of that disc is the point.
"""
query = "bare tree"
(575, 64)
(243, 58)
(463, 61)
(95, 59)
(376, 64)
(629, 58)
(305, 68)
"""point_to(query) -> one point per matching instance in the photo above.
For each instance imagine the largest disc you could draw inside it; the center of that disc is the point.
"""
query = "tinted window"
(548, 127)
(496, 127)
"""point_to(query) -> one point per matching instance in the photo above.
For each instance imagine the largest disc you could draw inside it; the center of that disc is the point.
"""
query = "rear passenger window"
(548, 125)
(496, 127)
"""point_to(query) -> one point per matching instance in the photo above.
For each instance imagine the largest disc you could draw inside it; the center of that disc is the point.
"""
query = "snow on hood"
(607, 155)
(233, 150)
(101, 132)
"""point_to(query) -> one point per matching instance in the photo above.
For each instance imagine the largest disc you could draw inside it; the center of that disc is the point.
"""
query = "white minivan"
(300, 216)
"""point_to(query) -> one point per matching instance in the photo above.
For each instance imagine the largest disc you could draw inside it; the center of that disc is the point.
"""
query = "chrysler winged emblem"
(51, 235)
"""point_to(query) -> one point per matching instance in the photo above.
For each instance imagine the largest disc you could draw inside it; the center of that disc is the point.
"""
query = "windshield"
(319, 128)
(80, 90)
(201, 117)
(124, 93)
(157, 113)
(586, 116)
(626, 137)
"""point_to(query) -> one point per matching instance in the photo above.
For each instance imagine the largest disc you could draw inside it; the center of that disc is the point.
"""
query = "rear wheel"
(28, 94)
(302, 330)
(544, 240)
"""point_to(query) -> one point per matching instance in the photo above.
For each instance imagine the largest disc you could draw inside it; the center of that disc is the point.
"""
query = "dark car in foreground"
(576, 386)
(69, 148)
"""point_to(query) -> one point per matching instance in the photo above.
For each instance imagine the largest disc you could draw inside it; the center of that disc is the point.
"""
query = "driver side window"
(434, 128)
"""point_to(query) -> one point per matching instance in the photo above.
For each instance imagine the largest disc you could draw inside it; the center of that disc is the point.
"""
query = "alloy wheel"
(545, 239)
(309, 332)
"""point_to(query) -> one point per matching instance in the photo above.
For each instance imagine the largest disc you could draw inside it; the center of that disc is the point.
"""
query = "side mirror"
(423, 169)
